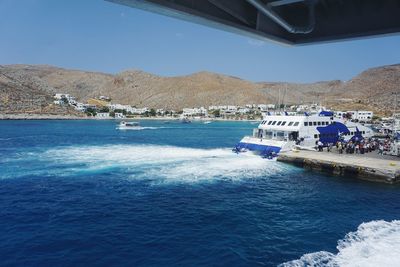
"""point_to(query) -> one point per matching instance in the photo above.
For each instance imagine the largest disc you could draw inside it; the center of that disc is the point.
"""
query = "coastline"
(28, 116)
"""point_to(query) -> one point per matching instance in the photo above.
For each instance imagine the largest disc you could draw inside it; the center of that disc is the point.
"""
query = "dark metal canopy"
(287, 21)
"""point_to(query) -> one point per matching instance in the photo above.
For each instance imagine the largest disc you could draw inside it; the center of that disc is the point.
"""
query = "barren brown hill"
(35, 84)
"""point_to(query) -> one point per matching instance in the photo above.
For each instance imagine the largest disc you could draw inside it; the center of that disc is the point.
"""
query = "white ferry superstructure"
(280, 132)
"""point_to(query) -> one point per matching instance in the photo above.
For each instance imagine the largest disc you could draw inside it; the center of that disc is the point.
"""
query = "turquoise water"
(75, 193)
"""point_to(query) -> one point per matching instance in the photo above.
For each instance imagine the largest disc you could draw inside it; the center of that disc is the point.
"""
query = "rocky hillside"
(28, 88)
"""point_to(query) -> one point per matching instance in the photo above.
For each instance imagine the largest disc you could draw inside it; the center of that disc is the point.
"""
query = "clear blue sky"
(101, 36)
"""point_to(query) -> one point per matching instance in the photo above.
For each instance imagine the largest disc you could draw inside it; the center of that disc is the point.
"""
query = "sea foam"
(159, 162)
(374, 244)
(138, 128)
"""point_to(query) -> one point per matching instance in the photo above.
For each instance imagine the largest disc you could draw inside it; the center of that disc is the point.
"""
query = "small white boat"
(129, 125)
(207, 122)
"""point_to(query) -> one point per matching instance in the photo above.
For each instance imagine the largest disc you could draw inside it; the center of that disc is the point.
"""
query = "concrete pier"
(365, 167)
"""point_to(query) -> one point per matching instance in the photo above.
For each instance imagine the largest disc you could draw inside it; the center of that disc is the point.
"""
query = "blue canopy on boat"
(357, 136)
(326, 113)
(332, 132)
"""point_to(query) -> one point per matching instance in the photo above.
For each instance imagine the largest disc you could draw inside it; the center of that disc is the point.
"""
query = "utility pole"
(283, 99)
(279, 99)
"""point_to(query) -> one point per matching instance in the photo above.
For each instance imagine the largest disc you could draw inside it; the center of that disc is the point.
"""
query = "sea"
(84, 193)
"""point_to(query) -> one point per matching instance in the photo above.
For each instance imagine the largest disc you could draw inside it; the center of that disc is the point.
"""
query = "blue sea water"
(82, 193)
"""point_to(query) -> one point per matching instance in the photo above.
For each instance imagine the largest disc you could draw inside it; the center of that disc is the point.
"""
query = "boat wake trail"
(137, 128)
(376, 243)
(152, 162)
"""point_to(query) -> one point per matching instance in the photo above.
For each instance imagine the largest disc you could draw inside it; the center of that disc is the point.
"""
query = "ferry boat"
(283, 132)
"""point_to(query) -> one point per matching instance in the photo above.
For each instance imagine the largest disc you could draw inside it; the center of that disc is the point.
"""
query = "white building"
(229, 110)
(71, 100)
(302, 108)
(160, 111)
(244, 110)
(190, 112)
(250, 106)
(361, 115)
(119, 115)
(103, 115)
(83, 107)
(262, 107)
(60, 96)
(105, 98)
(118, 106)
(339, 114)
(128, 109)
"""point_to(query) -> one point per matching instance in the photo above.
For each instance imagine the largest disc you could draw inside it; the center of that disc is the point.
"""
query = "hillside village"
(103, 108)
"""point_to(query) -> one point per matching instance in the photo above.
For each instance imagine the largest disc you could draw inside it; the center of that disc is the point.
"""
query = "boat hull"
(266, 148)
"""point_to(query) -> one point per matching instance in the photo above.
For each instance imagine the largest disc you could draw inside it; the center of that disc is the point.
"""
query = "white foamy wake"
(374, 244)
(166, 162)
(137, 128)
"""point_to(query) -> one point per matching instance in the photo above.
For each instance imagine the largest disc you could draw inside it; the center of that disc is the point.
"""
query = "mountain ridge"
(372, 88)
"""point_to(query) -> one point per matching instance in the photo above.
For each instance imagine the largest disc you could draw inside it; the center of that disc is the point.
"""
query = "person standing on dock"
(380, 149)
(340, 147)
(320, 146)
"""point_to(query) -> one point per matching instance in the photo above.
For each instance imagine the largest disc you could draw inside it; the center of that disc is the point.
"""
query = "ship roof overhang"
(292, 22)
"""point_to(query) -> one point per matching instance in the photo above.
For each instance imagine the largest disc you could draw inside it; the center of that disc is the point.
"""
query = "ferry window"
(274, 123)
(296, 123)
(279, 122)
(315, 123)
(315, 135)
(305, 123)
(283, 123)
(319, 123)
(280, 134)
(269, 123)
(363, 132)
(290, 123)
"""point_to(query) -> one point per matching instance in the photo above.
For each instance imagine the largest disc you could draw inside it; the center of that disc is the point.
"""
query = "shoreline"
(28, 116)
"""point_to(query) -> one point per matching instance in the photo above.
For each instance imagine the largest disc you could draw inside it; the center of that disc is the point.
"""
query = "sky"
(96, 35)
